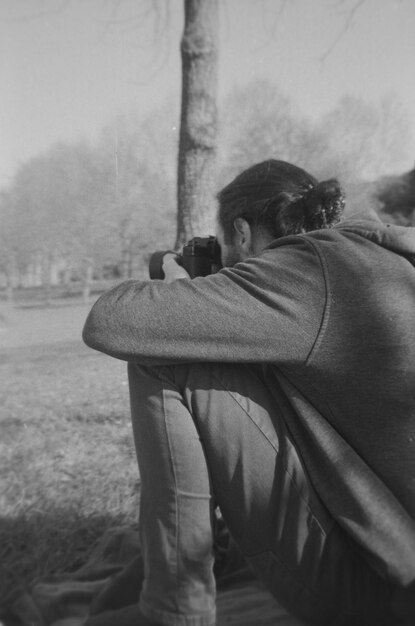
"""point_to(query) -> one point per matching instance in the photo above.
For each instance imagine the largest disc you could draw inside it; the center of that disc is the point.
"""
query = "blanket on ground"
(111, 579)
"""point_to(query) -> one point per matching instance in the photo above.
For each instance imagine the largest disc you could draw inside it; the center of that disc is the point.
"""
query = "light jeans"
(210, 434)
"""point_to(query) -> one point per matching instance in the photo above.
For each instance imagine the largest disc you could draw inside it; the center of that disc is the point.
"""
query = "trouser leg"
(264, 493)
(175, 505)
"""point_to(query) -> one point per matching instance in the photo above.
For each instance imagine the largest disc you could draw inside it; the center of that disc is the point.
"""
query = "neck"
(261, 238)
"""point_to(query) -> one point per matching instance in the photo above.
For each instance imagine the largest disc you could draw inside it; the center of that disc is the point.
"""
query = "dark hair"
(281, 198)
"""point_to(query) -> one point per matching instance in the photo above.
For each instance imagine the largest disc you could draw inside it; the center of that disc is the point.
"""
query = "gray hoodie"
(331, 317)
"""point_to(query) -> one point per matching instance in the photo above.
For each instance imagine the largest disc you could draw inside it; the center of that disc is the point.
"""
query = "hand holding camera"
(171, 269)
(200, 257)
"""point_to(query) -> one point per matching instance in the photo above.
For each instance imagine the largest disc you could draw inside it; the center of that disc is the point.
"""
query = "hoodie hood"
(398, 239)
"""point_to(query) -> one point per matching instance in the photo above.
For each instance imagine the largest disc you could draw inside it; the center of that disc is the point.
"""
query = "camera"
(199, 257)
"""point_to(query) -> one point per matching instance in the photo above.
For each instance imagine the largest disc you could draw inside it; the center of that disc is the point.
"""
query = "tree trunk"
(9, 292)
(86, 291)
(46, 279)
(11, 278)
(198, 125)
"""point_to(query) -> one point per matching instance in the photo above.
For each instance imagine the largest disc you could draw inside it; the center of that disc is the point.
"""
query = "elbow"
(111, 327)
(94, 333)
(91, 333)
(101, 333)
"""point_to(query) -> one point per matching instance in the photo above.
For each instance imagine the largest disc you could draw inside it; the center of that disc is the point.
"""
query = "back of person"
(357, 389)
(374, 334)
(295, 366)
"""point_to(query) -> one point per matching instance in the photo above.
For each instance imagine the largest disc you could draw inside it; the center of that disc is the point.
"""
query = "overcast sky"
(65, 70)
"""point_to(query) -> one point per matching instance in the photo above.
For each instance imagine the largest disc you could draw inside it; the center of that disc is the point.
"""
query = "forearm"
(155, 323)
(246, 314)
(152, 323)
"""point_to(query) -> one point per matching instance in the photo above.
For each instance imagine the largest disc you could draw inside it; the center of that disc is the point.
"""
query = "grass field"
(67, 462)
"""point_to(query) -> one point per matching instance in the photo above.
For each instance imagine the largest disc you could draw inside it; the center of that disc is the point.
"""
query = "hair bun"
(323, 204)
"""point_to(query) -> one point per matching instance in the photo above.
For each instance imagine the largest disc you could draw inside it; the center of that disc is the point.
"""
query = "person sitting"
(280, 389)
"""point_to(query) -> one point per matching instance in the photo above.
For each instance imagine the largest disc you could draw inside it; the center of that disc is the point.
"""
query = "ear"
(243, 233)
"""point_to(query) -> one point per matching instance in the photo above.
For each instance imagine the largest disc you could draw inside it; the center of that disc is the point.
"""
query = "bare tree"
(198, 122)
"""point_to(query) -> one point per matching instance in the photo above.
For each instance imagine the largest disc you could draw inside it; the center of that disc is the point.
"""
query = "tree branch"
(45, 13)
(350, 14)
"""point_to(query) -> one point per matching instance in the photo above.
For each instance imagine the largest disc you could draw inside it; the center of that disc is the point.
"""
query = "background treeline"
(84, 212)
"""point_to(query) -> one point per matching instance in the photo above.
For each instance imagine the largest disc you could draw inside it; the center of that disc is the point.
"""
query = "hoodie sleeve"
(268, 309)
